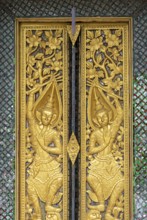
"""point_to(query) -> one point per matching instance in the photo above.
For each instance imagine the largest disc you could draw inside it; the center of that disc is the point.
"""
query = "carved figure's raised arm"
(30, 103)
(117, 121)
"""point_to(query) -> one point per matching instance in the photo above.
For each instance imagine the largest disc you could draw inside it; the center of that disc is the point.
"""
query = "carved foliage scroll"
(104, 141)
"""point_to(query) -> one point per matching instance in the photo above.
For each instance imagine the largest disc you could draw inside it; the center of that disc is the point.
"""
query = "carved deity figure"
(104, 175)
(45, 173)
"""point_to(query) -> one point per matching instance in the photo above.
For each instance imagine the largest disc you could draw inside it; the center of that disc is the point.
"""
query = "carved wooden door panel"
(43, 119)
(105, 122)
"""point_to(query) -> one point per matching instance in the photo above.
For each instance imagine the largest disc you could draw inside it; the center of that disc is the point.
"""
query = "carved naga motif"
(44, 124)
(104, 129)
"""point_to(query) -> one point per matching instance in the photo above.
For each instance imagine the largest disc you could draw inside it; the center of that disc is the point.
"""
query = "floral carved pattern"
(105, 126)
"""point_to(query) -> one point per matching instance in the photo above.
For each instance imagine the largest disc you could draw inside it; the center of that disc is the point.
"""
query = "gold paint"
(43, 128)
(43, 134)
(73, 37)
(104, 122)
(73, 148)
(42, 123)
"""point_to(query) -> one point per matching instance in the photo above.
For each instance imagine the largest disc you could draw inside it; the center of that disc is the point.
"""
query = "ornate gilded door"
(99, 148)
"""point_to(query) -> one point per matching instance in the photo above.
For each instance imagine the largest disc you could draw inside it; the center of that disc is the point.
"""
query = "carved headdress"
(50, 101)
(49, 106)
(97, 102)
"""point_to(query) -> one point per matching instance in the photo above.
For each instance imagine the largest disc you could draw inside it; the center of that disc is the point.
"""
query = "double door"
(74, 139)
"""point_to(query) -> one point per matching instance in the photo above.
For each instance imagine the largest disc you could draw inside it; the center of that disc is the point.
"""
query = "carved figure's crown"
(98, 104)
(50, 101)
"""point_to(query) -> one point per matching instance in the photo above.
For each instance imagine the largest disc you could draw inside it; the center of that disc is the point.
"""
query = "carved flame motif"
(44, 124)
(104, 73)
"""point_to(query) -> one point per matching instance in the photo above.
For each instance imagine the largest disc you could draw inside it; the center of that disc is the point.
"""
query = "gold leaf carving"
(104, 123)
(44, 133)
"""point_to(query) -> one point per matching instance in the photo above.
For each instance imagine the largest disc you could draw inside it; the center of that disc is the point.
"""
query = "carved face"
(46, 117)
(102, 118)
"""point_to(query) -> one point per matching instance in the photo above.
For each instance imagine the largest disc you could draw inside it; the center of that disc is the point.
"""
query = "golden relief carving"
(43, 120)
(44, 171)
(105, 181)
(44, 131)
(103, 63)
(103, 166)
(43, 82)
